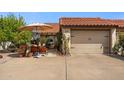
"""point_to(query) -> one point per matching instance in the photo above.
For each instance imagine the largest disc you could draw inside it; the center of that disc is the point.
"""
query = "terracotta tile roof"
(90, 22)
(54, 29)
(120, 23)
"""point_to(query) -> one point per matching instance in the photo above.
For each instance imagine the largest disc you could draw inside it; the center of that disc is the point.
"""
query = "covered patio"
(44, 40)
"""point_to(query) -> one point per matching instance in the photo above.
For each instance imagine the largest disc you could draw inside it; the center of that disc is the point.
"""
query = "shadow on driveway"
(15, 55)
(117, 57)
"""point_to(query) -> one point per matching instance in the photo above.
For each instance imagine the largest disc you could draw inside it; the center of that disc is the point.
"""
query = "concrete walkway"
(75, 67)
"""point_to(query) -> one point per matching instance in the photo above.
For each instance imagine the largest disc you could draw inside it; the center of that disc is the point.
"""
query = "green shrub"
(119, 47)
(43, 40)
(59, 41)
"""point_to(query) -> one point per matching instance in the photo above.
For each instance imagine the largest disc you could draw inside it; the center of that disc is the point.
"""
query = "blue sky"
(45, 17)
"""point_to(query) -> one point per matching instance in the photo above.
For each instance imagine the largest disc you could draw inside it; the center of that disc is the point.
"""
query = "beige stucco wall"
(66, 33)
(113, 37)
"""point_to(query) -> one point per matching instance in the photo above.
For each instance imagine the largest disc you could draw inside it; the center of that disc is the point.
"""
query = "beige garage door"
(89, 42)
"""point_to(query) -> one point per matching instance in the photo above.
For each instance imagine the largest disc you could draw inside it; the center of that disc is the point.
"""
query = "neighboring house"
(90, 35)
(51, 33)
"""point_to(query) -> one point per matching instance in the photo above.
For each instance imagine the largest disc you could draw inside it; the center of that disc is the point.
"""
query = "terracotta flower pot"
(30, 54)
(1, 56)
(43, 50)
(34, 49)
(22, 50)
(23, 46)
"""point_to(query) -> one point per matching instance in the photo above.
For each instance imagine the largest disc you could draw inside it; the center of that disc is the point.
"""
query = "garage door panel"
(90, 42)
(87, 48)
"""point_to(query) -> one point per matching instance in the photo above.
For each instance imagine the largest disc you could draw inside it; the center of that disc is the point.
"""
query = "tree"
(24, 37)
(9, 28)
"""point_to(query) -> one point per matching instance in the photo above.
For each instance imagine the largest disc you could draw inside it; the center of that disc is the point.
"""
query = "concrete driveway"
(75, 67)
(91, 66)
(48, 68)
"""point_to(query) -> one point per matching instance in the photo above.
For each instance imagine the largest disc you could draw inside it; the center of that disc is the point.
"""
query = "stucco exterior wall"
(67, 35)
(113, 37)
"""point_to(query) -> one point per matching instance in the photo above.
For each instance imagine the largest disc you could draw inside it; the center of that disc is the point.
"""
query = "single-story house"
(86, 35)
(90, 35)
